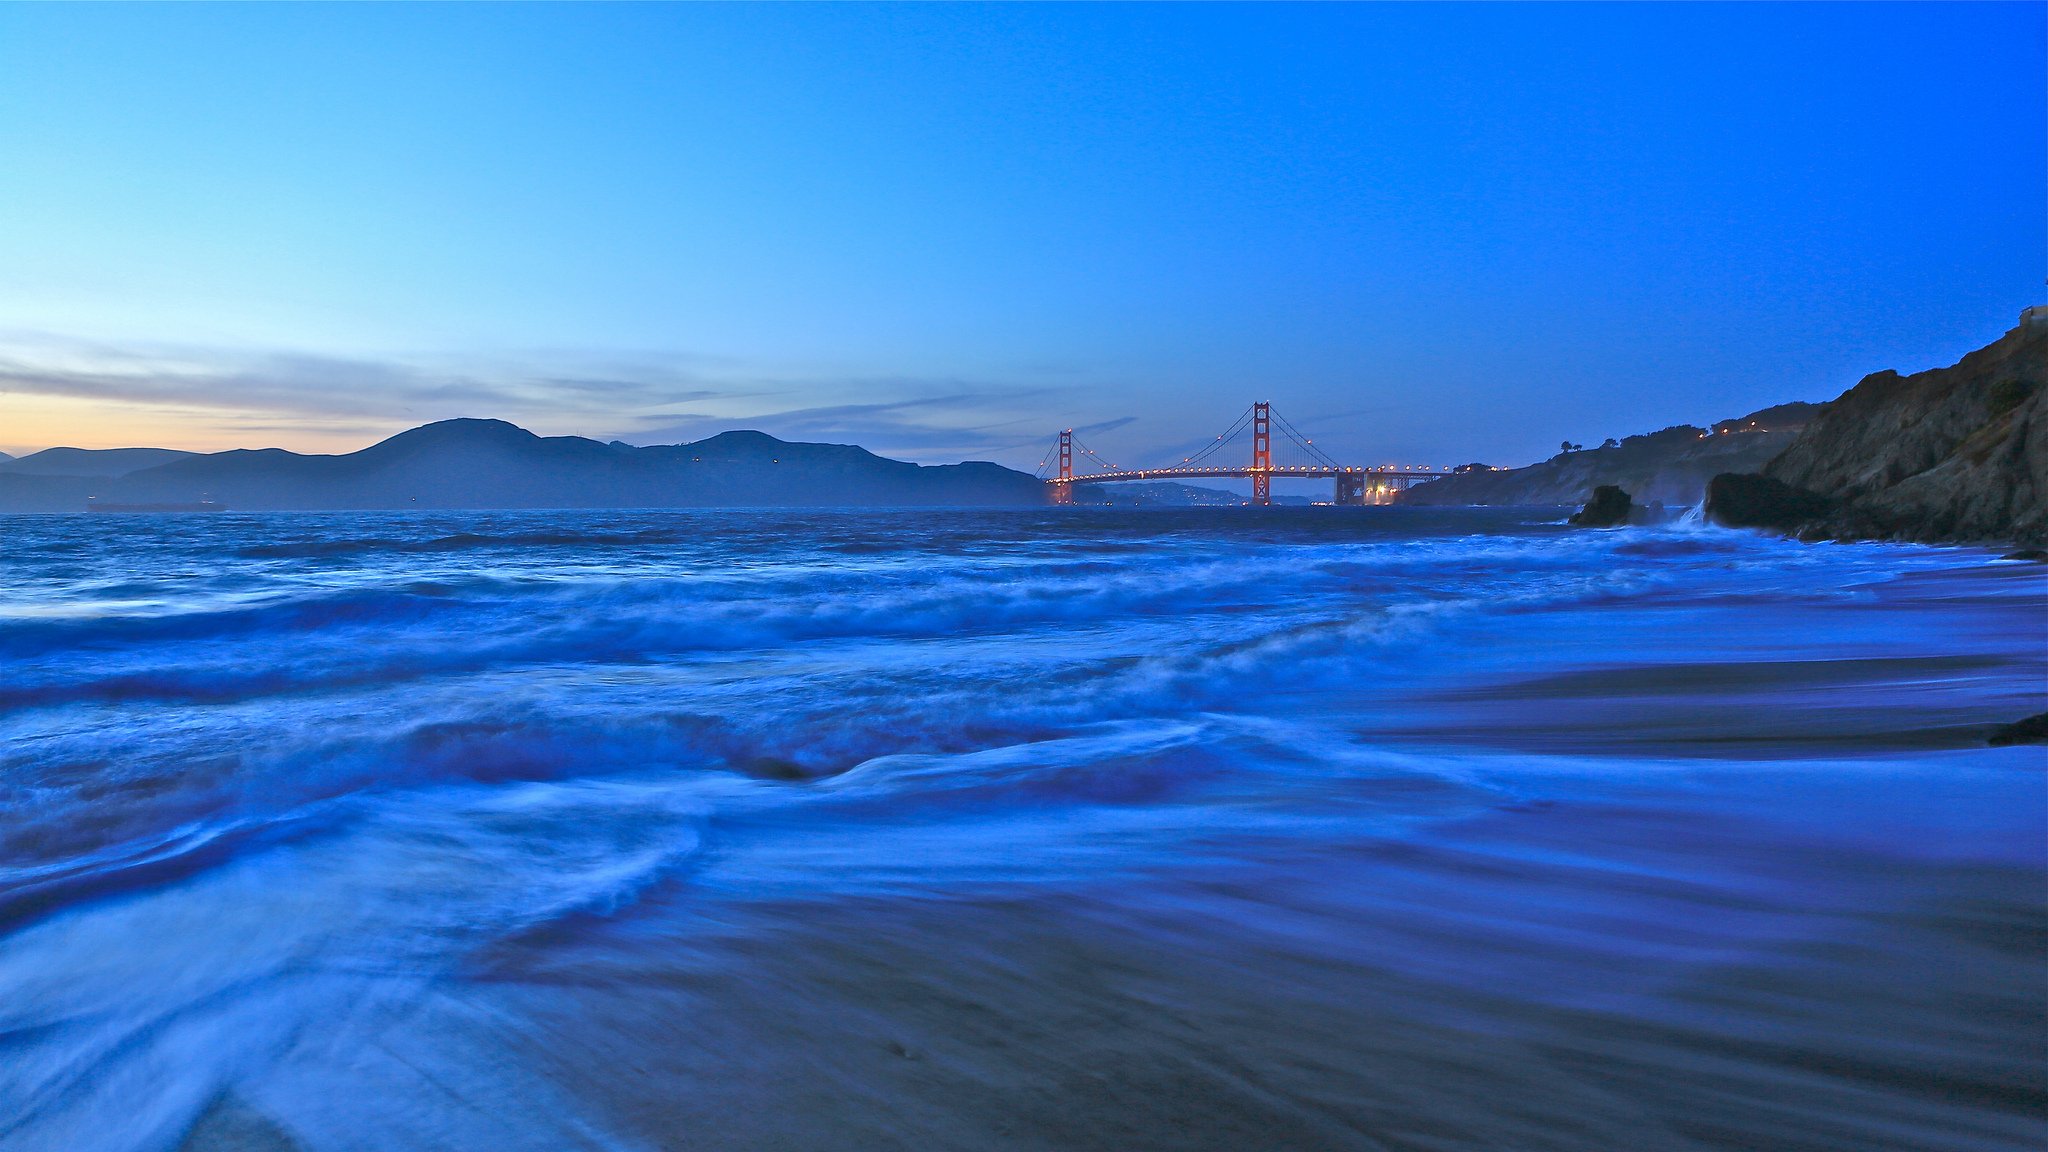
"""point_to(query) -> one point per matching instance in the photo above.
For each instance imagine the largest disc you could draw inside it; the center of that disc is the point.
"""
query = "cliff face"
(1949, 454)
(1671, 467)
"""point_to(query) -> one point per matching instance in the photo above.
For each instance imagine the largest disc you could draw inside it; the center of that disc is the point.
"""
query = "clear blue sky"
(1426, 233)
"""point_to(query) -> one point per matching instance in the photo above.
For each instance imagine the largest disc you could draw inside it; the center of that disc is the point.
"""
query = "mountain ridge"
(480, 463)
(89, 461)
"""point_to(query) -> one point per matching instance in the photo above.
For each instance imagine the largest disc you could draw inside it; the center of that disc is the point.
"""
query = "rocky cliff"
(1671, 467)
(1949, 454)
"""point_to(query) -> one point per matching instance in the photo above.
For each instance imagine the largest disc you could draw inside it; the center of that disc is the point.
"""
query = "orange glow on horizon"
(30, 423)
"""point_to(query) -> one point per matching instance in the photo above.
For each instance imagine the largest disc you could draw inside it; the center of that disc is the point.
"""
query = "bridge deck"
(1311, 473)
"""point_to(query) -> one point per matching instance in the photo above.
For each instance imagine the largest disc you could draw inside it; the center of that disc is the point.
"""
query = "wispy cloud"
(240, 397)
(959, 425)
(1105, 426)
(239, 381)
(312, 387)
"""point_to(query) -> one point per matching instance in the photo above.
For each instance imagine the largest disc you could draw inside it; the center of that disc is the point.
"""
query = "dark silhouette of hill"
(1950, 454)
(493, 464)
(1778, 417)
(1671, 467)
(90, 461)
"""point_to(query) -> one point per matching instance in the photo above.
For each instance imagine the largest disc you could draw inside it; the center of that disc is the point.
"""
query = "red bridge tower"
(1262, 453)
(1063, 488)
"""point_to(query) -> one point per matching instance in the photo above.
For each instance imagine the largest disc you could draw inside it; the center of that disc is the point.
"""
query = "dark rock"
(1950, 454)
(1747, 500)
(2027, 554)
(1607, 509)
(2032, 730)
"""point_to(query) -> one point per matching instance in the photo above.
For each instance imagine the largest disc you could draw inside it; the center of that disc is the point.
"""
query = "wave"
(474, 619)
(585, 829)
(461, 542)
(111, 1046)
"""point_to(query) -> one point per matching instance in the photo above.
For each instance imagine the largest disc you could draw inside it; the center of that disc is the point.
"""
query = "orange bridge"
(1298, 457)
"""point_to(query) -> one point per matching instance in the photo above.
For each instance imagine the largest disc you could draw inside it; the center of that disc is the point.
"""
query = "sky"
(1427, 234)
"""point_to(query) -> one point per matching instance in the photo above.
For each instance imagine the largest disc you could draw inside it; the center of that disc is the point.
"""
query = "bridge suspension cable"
(1307, 447)
(1046, 463)
(1237, 427)
(1304, 452)
(1291, 454)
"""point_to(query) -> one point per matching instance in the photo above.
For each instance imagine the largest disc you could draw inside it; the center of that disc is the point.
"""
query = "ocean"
(1314, 828)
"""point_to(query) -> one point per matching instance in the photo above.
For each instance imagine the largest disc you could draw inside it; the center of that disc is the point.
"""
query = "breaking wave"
(1323, 828)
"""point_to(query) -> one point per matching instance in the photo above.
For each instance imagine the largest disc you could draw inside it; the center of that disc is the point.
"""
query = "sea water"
(1218, 828)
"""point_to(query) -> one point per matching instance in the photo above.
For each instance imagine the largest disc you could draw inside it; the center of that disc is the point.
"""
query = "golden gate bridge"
(1296, 457)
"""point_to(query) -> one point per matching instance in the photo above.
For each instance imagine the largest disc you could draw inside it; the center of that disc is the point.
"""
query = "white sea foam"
(635, 830)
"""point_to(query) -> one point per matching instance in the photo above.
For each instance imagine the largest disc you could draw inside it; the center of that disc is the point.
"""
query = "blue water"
(1315, 828)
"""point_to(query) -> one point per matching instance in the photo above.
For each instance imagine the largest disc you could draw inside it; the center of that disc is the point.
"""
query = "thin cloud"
(232, 394)
(1105, 426)
(633, 391)
(310, 386)
(267, 382)
(951, 426)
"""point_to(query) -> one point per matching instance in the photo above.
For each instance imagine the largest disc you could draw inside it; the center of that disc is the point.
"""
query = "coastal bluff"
(1671, 467)
(1948, 455)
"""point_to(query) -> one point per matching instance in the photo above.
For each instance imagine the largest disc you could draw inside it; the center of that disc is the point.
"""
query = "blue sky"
(1427, 233)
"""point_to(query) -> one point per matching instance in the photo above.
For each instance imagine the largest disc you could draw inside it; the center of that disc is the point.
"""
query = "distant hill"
(90, 461)
(493, 464)
(1781, 417)
(1671, 467)
(1949, 454)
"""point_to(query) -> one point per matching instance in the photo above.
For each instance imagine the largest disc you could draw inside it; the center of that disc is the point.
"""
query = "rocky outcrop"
(1670, 467)
(1747, 500)
(1608, 508)
(2032, 730)
(1950, 454)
